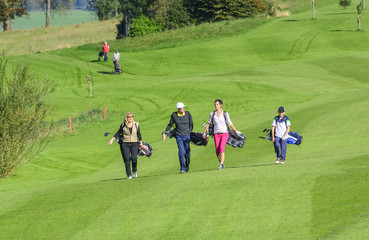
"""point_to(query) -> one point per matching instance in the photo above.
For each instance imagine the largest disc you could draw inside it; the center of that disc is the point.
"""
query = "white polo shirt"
(281, 126)
(220, 123)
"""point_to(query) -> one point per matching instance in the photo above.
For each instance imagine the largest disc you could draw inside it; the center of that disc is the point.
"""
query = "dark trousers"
(280, 147)
(184, 152)
(129, 152)
(106, 55)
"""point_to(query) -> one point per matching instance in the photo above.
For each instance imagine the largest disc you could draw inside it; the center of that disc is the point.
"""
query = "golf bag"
(236, 139)
(195, 138)
(293, 137)
(146, 150)
(117, 67)
(101, 54)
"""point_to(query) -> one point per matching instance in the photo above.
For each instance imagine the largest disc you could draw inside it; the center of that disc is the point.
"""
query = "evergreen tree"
(344, 3)
(234, 9)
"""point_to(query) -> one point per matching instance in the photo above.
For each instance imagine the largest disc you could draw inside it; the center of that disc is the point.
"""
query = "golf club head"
(265, 129)
(106, 134)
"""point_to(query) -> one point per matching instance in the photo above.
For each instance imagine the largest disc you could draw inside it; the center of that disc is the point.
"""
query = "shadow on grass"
(203, 170)
(291, 20)
(95, 61)
(104, 72)
(334, 14)
(340, 30)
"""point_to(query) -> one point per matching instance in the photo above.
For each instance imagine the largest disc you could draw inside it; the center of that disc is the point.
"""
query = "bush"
(143, 25)
(344, 3)
(23, 129)
(171, 14)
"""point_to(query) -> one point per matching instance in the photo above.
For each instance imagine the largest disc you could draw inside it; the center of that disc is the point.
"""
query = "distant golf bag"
(117, 67)
(101, 54)
(293, 137)
(146, 150)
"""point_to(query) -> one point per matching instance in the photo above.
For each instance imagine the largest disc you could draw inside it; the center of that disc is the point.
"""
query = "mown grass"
(36, 19)
(76, 189)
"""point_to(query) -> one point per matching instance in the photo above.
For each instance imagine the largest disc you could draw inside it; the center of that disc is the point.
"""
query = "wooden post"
(89, 82)
(70, 124)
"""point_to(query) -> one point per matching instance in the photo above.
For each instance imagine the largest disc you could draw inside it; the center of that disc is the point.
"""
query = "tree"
(344, 3)
(58, 5)
(9, 9)
(359, 9)
(234, 9)
(202, 10)
(23, 109)
(170, 14)
(131, 9)
(106, 9)
(217, 10)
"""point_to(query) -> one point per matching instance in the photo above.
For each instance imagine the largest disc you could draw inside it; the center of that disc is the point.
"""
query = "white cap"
(180, 105)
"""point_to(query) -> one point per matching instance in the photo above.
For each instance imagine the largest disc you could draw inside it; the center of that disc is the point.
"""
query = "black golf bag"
(117, 67)
(101, 54)
(195, 138)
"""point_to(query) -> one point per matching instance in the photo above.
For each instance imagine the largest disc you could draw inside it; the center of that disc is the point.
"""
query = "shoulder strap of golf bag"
(224, 115)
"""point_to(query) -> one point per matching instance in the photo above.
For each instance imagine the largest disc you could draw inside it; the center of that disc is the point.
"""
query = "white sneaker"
(134, 174)
(282, 162)
(276, 161)
(129, 177)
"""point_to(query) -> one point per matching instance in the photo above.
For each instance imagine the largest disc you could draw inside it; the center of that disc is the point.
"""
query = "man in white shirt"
(280, 129)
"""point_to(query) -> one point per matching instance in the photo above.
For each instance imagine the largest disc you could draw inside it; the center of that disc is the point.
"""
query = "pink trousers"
(220, 142)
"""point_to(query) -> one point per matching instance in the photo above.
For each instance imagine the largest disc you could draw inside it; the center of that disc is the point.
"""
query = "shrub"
(143, 25)
(344, 3)
(23, 129)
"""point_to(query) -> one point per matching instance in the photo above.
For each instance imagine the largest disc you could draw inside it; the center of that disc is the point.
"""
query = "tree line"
(140, 17)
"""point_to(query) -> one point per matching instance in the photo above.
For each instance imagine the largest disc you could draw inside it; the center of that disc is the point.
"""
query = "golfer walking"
(219, 119)
(105, 49)
(183, 128)
(280, 129)
(130, 140)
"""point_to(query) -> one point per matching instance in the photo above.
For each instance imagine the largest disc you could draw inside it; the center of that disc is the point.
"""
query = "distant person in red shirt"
(105, 49)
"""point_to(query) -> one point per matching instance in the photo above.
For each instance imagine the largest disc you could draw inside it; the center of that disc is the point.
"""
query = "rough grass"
(59, 37)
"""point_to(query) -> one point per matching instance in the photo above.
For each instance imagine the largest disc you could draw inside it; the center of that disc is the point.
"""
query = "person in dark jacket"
(130, 140)
(183, 128)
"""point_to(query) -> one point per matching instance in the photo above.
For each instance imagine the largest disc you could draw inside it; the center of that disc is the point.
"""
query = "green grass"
(37, 19)
(76, 189)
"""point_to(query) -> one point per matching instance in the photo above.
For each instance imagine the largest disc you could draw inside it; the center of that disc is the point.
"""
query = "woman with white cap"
(183, 128)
